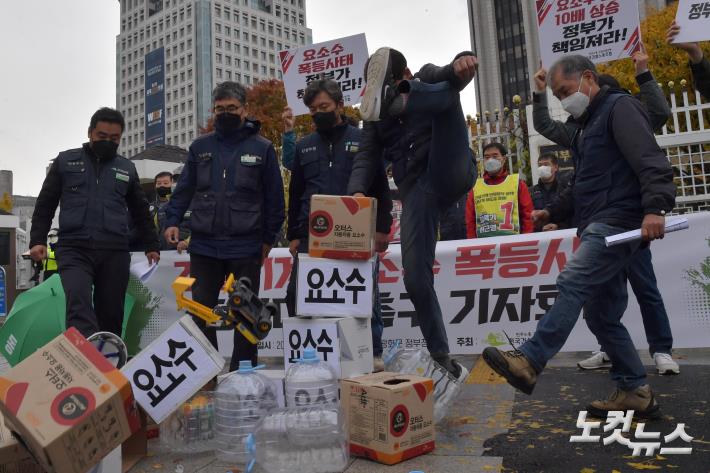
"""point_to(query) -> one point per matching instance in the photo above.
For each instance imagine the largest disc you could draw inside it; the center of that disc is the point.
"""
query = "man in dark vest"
(232, 183)
(622, 181)
(97, 190)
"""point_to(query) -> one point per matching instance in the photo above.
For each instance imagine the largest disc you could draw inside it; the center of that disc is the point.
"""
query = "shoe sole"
(652, 414)
(500, 366)
(600, 367)
(376, 74)
(668, 372)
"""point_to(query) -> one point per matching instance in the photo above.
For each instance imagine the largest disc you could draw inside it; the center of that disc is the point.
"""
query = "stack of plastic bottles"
(420, 363)
(310, 439)
(241, 400)
(311, 382)
(190, 428)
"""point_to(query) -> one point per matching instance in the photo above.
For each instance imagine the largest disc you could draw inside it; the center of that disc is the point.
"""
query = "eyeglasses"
(230, 109)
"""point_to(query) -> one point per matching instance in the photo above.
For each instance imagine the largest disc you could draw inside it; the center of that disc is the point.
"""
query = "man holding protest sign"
(699, 65)
(623, 181)
(419, 121)
(321, 163)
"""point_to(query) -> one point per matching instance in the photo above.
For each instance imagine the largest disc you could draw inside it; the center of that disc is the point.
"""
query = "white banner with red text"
(485, 287)
(602, 30)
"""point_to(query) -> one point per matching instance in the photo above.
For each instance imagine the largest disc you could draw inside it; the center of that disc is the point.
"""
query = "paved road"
(491, 428)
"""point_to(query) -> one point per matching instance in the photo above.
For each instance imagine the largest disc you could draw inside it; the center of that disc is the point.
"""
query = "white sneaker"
(378, 364)
(446, 389)
(378, 88)
(665, 364)
(597, 361)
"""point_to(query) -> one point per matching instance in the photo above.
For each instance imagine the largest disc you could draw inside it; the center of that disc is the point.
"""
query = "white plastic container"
(190, 429)
(311, 382)
(420, 363)
(241, 400)
(308, 439)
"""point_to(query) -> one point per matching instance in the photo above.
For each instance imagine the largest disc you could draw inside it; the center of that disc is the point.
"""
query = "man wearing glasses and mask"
(232, 183)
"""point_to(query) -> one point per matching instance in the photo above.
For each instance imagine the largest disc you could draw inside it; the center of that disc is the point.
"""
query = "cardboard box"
(345, 343)
(14, 458)
(174, 367)
(342, 227)
(69, 405)
(334, 288)
(389, 417)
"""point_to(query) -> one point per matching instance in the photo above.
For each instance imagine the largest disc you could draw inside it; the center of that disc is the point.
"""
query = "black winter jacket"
(96, 199)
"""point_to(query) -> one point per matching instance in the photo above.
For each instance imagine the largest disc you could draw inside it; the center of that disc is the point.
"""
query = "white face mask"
(576, 103)
(492, 165)
(545, 172)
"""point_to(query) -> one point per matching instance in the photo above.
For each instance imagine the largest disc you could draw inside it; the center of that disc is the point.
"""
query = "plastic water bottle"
(420, 363)
(311, 382)
(309, 439)
(190, 429)
(241, 400)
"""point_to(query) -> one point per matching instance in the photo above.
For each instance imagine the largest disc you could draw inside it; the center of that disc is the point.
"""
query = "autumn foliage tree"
(667, 63)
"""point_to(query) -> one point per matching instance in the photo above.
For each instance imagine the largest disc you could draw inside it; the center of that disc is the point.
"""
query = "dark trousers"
(450, 174)
(595, 278)
(210, 274)
(107, 272)
(653, 311)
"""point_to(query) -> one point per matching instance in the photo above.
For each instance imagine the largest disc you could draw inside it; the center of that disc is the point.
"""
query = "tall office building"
(504, 35)
(171, 53)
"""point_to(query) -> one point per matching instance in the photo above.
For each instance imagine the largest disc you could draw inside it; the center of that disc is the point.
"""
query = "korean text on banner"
(602, 30)
(334, 288)
(693, 17)
(342, 60)
(172, 368)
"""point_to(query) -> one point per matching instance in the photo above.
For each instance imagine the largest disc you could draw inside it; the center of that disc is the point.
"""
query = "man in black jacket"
(97, 190)
(417, 124)
(322, 164)
(548, 187)
(623, 181)
(232, 183)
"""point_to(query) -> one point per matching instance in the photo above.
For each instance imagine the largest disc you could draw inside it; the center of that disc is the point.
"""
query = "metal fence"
(686, 141)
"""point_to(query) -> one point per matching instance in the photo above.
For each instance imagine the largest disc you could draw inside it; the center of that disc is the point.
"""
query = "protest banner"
(693, 17)
(485, 287)
(602, 30)
(342, 60)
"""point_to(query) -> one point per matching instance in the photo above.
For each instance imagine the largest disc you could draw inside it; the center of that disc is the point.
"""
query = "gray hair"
(574, 64)
(229, 90)
(329, 86)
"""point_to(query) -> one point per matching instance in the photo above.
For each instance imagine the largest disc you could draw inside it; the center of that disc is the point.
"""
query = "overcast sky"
(58, 63)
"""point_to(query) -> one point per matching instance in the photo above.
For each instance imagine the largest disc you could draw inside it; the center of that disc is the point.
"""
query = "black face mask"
(227, 124)
(163, 191)
(104, 149)
(324, 121)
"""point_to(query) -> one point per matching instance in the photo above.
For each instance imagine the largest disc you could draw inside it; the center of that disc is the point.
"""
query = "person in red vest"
(500, 203)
